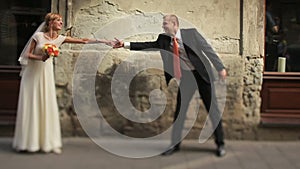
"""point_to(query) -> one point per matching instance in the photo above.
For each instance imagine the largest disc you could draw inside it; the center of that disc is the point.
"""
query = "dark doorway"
(19, 19)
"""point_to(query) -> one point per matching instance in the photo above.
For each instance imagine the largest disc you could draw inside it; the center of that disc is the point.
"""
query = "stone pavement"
(82, 153)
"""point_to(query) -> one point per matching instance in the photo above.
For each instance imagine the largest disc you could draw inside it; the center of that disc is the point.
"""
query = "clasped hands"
(116, 43)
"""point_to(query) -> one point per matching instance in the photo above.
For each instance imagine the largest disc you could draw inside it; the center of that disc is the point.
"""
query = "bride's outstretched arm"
(87, 41)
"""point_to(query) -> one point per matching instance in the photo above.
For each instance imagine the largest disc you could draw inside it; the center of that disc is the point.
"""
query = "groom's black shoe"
(171, 151)
(220, 151)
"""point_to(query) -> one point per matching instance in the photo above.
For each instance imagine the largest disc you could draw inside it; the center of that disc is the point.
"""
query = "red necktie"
(177, 71)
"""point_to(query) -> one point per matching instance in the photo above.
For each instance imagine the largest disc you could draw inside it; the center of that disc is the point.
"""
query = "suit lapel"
(189, 40)
(192, 44)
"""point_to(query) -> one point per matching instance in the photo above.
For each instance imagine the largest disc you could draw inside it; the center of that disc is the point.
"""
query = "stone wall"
(233, 27)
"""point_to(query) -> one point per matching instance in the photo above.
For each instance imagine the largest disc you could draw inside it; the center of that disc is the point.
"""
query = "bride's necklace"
(48, 36)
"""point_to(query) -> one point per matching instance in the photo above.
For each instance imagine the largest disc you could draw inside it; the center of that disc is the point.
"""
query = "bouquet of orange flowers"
(51, 50)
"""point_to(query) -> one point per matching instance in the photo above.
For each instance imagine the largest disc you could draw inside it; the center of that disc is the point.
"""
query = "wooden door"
(9, 92)
(280, 99)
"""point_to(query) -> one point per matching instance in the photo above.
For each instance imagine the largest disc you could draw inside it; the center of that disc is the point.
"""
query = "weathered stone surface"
(236, 35)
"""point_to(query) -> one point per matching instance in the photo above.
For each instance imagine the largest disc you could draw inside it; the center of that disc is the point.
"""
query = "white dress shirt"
(185, 62)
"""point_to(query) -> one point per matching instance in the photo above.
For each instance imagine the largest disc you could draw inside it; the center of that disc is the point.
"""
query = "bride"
(37, 125)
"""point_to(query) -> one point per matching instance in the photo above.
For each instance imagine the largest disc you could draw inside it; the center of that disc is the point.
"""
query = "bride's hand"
(44, 58)
(118, 43)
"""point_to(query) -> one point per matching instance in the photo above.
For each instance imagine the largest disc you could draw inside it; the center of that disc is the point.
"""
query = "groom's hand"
(222, 74)
(118, 43)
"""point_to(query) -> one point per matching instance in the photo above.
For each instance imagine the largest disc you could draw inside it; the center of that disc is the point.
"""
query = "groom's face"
(168, 26)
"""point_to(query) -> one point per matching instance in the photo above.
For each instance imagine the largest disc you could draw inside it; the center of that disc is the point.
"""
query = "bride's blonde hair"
(50, 17)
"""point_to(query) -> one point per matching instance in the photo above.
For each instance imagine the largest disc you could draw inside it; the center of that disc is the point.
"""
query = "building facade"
(234, 28)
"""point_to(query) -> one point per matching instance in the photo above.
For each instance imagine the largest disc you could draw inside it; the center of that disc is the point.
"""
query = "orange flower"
(51, 50)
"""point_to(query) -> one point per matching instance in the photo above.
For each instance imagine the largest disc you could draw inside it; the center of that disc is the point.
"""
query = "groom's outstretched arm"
(135, 45)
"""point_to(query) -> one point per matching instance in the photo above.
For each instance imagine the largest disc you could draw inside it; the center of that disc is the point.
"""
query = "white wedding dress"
(37, 125)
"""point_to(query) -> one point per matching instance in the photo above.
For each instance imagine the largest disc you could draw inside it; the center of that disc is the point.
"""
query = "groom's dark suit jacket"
(196, 48)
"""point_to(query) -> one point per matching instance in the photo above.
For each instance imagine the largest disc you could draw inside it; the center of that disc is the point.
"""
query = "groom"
(189, 57)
